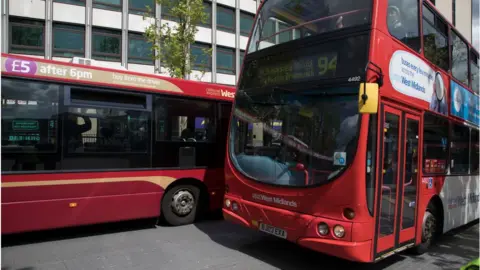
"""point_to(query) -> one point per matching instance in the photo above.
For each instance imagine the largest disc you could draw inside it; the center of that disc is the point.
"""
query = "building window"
(27, 37)
(115, 5)
(435, 42)
(106, 45)
(29, 125)
(246, 23)
(167, 14)
(207, 8)
(242, 56)
(225, 19)
(402, 21)
(71, 2)
(268, 31)
(225, 60)
(285, 36)
(68, 40)
(459, 149)
(459, 58)
(202, 61)
(139, 7)
(139, 50)
(435, 144)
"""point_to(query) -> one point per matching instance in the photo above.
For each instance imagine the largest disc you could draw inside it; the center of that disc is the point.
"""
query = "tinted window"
(167, 12)
(246, 22)
(459, 155)
(474, 71)
(106, 44)
(402, 21)
(459, 59)
(286, 35)
(184, 132)
(68, 40)
(115, 5)
(310, 17)
(139, 50)
(475, 152)
(29, 125)
(225, 19)
(73, 2)
(207, 8)
(225, 60)
(202, 58)
(140, 6)
(435, 142)
(435, 41)
(26, 37)
(99, 134)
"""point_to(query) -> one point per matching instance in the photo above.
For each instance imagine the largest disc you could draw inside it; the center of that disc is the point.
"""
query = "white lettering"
(227, 94)
(275, 200)
(80, 74)
(24, 68)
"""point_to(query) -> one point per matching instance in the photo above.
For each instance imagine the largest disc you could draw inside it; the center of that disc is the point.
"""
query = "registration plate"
(273, 230)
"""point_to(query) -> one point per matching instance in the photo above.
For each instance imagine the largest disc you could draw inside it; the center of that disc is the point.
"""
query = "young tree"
(172, 41)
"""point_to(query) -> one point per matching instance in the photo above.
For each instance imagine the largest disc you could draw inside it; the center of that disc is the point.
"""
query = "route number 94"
(325, 65)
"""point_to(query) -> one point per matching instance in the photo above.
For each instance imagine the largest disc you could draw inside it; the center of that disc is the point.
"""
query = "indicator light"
(234, 206)
(348, 213)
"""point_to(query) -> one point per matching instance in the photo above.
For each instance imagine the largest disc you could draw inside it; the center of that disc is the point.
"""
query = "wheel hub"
(183, 202)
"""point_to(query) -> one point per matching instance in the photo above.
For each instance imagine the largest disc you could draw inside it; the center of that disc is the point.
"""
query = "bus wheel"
(429, 231)
(179, 205)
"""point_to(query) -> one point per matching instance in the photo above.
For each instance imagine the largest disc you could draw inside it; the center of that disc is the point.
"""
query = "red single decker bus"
(84, 145)
(355, 127)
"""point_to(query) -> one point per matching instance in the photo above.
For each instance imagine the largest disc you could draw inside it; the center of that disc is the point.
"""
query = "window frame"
(104, 32)
(223, 27)
(107, 6)
(54, 51)
(138, 11)
(136, 59)
(223, 70)
(453, 32)
(23, 23)
(207, 67)
(244, 14)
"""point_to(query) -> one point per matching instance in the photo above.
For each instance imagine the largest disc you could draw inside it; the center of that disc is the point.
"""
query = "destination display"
(345, 58)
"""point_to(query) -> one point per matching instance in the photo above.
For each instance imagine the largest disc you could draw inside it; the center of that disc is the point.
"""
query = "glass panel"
(284, 36)
(27, 38)
(106, 47)
(115, 5)
(246, 22)
(207, 7)
(139, 50)
(475, 152)
(316, 16)
(411, 175)
(29, 125)
(390, 171)
(459, 59)
(403, 21)
(435, 142)
(73, 2)
(435, 41)
(202, 60)
(142, 4)
(459, 160)
(68, 41)
(475, 74)
(225, 19)
(226, 61)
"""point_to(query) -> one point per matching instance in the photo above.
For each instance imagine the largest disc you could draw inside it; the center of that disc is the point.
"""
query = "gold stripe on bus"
(85, 74)
(162, 181)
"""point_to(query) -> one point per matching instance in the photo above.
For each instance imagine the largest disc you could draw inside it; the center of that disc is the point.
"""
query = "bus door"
(398, 180)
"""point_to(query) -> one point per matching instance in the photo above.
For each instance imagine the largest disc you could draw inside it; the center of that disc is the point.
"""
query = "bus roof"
(37, 68)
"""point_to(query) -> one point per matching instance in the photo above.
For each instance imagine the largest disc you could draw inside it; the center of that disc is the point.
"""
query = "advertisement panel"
(464, 104)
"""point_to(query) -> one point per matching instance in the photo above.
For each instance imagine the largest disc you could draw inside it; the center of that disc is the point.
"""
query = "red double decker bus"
(355, 127)
(84, 145)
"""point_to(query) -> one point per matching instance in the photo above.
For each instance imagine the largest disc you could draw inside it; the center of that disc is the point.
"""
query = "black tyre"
(180, 205)
(429, 231)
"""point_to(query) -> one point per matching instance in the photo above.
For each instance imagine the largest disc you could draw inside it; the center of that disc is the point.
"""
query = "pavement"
(211, 244)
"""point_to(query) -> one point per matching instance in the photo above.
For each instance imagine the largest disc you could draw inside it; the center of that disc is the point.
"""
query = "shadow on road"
(75, 232)
(286, 255)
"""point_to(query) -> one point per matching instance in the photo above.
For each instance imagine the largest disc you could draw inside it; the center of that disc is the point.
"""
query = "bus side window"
(402, 22)
(459, 149)
(435, 144)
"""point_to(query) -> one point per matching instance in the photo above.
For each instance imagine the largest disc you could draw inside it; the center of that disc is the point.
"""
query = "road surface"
(212, 244)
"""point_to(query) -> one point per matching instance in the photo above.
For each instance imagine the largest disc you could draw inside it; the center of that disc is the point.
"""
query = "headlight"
(227, 203)
(234, 206)
(339, 231)
(323, 229)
